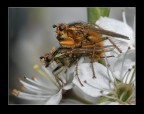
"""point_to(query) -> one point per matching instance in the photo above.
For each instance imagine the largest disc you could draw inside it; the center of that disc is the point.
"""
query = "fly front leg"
(113, 44)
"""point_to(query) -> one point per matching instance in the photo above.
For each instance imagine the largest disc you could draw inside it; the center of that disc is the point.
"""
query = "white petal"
(67, 78)
(46, 83)
(49, 73)
(117, 27)
(52, 82)
(63, 76)
(81, 60)
(40, 84)
(112, 61)
(35, 90)
(54, 100)
(68, 86)
(85, 73)
(84, 97)
(128, 63)
(32, 96)
(68, 75)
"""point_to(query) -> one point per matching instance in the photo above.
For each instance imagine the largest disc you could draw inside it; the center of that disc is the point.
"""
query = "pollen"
(36, 67)
(15, 92)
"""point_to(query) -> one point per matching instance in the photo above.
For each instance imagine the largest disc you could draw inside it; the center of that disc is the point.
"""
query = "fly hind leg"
(114, 44)
(77, 73)
(92, 60)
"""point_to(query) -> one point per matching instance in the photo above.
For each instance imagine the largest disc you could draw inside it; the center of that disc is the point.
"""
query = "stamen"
(108, 65)
(110, 97)
(15, 92)
(44, 74)
(109, 69)
(125, 75)
(129, 70)
(62, 83)
(101, 89)
(38, 84)
(57, 81)
(35, 89)
(123, 62)
(131, 96)
(36, 79)
(32, 96)
(132, 74)
(109, 77)
(124, 16)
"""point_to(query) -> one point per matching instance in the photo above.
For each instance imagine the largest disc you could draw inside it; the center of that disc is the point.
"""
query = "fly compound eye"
(61, 27)
(54, 26)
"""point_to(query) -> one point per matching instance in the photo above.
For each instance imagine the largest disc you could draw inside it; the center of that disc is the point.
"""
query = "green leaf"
(95, 13)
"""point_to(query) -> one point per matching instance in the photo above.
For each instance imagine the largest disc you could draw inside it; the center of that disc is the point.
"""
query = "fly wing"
(109, 33)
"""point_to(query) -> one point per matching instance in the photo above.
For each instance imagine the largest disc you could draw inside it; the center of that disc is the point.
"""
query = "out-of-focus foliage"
(95, 13)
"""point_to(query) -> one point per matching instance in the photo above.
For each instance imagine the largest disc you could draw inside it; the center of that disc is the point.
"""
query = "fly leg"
(60, 66)
(77, 73)
(114, 45)
(92, 60)
(48, 58)
(56, 72)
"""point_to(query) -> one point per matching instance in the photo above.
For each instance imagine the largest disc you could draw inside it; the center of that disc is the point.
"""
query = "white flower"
(47, 88)
(120, 27)
(114, 84)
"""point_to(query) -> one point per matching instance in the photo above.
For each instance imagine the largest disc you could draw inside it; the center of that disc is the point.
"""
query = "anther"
(85, 81)
(129, 69)
(36, 67)
(94, 77)
(25, 77)
(110, 81)
(15, 92)
(101, 91)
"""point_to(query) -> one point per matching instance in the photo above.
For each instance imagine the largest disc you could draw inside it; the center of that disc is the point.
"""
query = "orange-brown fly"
(79, 40)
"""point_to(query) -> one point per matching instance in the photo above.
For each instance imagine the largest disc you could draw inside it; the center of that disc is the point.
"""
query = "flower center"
(124, 92)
